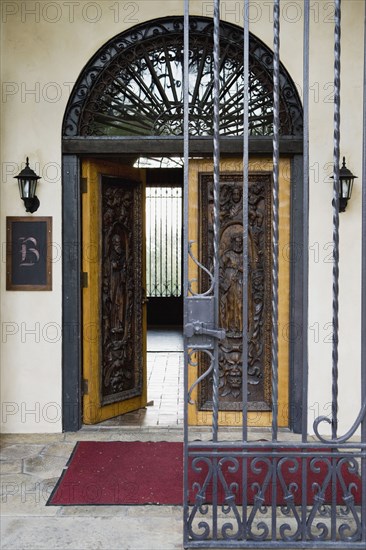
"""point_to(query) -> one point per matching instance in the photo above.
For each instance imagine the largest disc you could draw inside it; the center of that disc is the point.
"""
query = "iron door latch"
(199, 325)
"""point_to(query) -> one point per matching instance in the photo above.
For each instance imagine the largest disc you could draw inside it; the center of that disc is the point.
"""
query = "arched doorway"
(127, 102)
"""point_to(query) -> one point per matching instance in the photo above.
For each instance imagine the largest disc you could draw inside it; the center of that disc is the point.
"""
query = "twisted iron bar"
(245, 221)
(216, 205)
(275, 218)
(335, 294)
(216, 237)
(336, 154)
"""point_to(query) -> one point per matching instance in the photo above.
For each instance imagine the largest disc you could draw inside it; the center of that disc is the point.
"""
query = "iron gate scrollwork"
(245, 493)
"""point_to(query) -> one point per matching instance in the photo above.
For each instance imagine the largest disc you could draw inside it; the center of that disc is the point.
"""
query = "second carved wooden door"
(231, 288)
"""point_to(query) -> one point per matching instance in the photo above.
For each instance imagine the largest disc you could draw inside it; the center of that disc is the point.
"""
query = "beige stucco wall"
(44, 47)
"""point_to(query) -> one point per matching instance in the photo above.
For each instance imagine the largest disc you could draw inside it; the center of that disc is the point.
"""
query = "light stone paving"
(30, 467)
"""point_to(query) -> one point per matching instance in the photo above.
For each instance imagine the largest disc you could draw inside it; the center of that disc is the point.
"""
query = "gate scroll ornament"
(231, 289)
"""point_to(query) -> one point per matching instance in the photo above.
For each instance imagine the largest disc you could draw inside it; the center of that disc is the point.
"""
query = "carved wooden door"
(114, 319)
(230, 288)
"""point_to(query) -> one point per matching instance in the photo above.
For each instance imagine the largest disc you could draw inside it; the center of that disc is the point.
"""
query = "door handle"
(197, 328)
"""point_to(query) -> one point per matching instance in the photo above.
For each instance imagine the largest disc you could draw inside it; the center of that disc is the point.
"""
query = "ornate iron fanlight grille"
(134, 85)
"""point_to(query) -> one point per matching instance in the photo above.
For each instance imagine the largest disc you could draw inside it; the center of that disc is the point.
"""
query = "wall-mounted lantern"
(27, 181)
(346, 179)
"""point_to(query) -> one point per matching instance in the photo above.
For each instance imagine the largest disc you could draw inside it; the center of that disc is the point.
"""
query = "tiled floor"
(160, 339)
(164, 383)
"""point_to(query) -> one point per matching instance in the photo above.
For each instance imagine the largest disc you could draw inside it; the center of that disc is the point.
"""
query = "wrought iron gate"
(244, 493)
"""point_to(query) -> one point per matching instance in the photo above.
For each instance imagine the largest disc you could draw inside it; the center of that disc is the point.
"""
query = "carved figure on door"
(118, 291)
(231, 284)
(236, 206)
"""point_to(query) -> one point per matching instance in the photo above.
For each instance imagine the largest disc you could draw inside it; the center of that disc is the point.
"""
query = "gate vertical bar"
(245, 220)
(216, 206)
(185, 256)
(363, 295)
(305, 259)
(246, 96)
(216, 244)
(275, 189)
(275, 237)
(335, 305)
(336, 154)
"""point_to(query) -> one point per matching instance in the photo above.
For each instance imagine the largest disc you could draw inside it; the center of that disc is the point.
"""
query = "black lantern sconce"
(27, 181)
(346, 179)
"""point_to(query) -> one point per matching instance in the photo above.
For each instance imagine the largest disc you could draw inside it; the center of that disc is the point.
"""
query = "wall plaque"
(28, 253)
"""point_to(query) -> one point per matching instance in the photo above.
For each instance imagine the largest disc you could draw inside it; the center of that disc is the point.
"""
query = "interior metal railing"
(163, 241)
(244, 493)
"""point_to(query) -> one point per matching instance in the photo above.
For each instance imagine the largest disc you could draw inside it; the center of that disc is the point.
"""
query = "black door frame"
(74, 149)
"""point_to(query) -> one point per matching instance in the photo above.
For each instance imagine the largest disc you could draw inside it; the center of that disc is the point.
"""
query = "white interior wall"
(45, 45)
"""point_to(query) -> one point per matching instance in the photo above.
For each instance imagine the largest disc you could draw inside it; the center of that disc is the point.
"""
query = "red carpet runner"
(152, 473)
(122, 472)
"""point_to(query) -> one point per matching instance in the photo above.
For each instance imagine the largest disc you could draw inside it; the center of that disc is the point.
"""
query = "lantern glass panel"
(33, 187)
(27, 188)
(345, 188)
(350, 187)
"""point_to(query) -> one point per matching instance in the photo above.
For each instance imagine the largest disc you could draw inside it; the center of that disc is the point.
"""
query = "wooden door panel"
(259, 288)
(114, 318)
(122, 297)
(231, 287)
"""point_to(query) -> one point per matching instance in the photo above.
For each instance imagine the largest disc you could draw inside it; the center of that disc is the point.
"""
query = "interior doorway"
(164, 297)
(164, 290)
